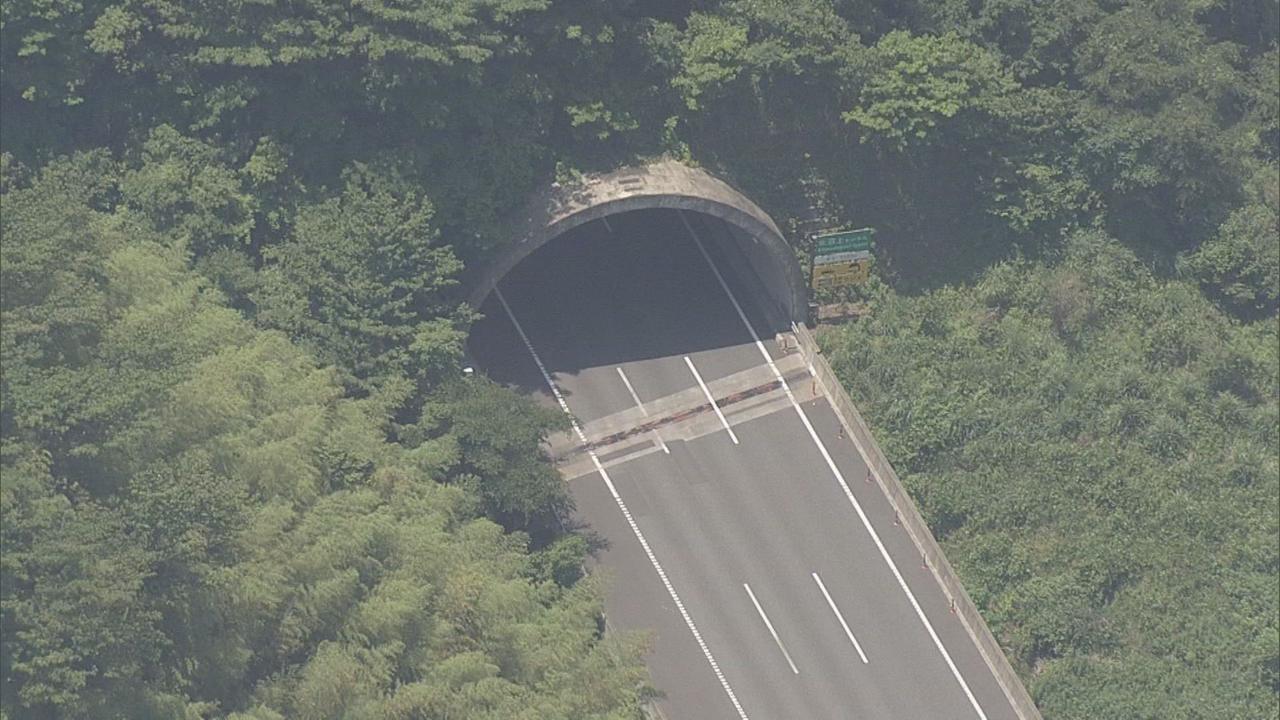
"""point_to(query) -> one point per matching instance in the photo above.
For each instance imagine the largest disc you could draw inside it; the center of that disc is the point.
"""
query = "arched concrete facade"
(663, 184)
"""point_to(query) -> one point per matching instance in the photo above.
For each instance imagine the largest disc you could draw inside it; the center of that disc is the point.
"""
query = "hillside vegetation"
(1095, 448)
(242, 474)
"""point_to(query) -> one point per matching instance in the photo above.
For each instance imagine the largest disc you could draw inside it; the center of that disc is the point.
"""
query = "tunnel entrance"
(664, 185)
(633, 294)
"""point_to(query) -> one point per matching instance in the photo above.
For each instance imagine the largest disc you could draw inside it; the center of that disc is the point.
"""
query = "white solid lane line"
(661, 443)
(769, 625)
(631, 521)
(632, 390)
(840, 617)
(866, 523)
(710, 399)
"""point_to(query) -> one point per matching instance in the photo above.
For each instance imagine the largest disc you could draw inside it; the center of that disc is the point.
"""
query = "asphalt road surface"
(769, 570)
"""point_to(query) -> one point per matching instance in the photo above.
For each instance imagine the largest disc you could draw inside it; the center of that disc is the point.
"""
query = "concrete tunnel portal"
(666, 184)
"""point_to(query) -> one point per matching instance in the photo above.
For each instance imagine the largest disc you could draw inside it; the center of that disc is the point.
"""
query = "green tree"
(915, 84)
(80, 633)
(363, 280)
(185, 188)
(1160, 126)
(499, 437)
(196, 518)
(1241, 264)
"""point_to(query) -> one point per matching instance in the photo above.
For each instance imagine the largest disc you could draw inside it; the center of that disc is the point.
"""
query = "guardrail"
(915, 525)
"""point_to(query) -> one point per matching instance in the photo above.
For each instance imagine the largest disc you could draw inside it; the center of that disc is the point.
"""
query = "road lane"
(767, 512)
(729, 515)
(638, 602)
(710, 559)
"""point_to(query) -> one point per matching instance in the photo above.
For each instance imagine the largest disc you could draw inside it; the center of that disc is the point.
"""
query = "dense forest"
(244, 476)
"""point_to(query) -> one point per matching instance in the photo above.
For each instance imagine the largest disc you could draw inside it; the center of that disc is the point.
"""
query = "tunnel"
(758, 247)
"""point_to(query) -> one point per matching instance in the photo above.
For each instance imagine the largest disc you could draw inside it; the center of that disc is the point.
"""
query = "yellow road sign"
(841, 274)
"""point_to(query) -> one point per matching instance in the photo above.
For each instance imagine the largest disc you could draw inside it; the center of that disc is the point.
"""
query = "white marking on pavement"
(640, 405)
(632, 390)
(635, 528)
(884, 553)
(840, 617)
(710, 399)
(769, 625)
(607, 225)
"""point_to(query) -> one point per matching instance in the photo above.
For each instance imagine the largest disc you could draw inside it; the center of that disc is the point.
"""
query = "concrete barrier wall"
(916, 527)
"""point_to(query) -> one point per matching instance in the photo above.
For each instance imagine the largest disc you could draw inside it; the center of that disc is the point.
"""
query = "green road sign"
(841, 259)
(844, 241)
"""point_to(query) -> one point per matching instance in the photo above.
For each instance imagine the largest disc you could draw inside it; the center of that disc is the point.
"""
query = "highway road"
(742, 529)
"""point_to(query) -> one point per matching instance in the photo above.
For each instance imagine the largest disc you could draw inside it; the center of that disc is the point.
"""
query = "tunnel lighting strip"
(635, 528)
(884, 553)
